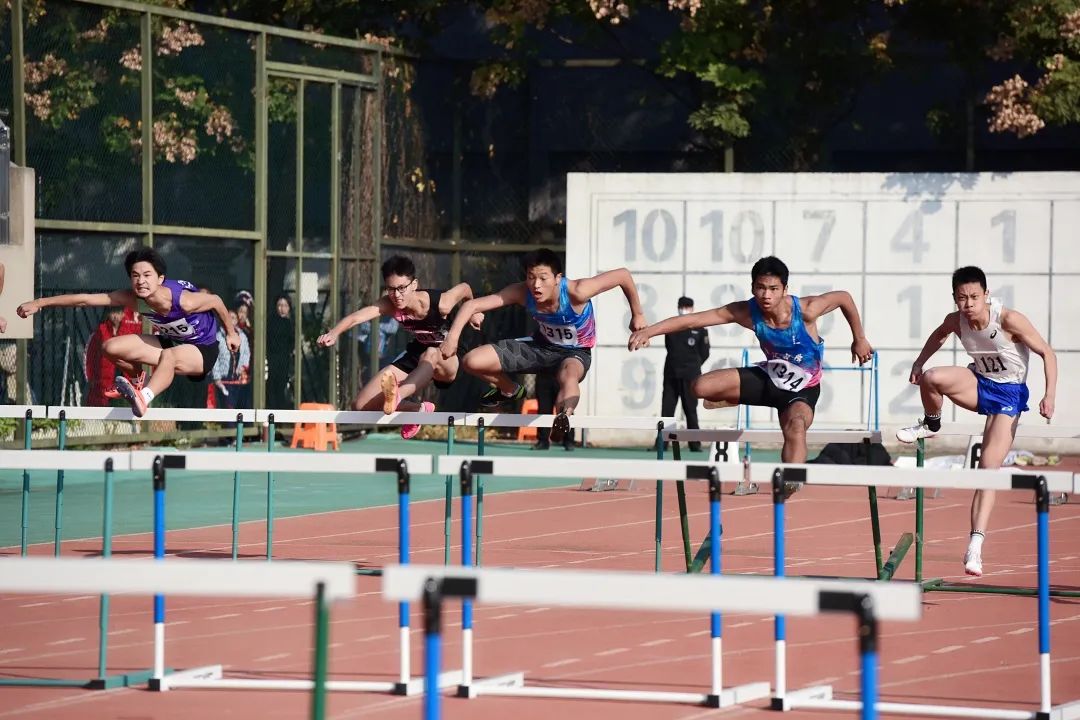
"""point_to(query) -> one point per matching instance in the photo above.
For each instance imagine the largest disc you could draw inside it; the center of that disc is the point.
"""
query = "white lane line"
(612, 651)
(654, 643)
(699, 633)
(947, 649)
(8, 651)
(905, 661)
(560, 663)
(980, 641)
(267, 658)
(1019, 631)
(125, 631)
(271, 609)
(40, 604)
(66, 642)
(502, 617)
(536, 610)
(222, 617)
(80, 597)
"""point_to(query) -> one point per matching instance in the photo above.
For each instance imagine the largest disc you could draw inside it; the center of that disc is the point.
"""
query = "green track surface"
(197, 499)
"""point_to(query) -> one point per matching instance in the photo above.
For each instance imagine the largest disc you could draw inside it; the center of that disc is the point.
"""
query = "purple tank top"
(195, 329)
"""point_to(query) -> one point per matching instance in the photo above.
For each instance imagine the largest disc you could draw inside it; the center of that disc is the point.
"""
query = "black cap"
(686, 302)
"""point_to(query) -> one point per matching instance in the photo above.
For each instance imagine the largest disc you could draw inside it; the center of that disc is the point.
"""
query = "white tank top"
(996, 355)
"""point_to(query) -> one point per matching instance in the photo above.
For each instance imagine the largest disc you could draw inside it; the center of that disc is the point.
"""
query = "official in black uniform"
(687, 351)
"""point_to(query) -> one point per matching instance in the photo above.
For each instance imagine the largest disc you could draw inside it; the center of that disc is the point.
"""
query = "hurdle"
(108, 462)
(634, 469)
(974, 433)
(869, 602)
(853, 475)
(748, 436)
(212, 676)
(326, 582)
(62, 414)
(26, 413)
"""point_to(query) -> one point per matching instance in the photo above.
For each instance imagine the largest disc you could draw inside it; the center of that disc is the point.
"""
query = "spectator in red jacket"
(100, 371)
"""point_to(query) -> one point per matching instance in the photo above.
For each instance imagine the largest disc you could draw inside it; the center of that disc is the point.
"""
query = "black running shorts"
(755, 388)
(529, 355)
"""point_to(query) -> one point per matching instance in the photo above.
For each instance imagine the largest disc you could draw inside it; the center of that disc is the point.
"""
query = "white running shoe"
(914, 432)
(973, 563)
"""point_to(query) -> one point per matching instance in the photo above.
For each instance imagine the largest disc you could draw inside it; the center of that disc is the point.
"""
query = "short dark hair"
(968, 274)
(770, 265)
(686, 302)
(543, 256)
(399, 265)
(144, 254)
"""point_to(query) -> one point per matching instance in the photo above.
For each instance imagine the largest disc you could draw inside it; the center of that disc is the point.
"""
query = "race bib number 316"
(560, 334)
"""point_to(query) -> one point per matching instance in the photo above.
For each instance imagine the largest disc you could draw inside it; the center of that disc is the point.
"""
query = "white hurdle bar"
(638, 469)
(1042, 483)
(326, 582)
(353, 464)
(637, 591)
(340, 417)
(218, 415)
(729, 434)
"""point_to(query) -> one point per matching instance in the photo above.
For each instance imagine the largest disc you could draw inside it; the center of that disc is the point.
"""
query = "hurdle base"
(514, 685)
(42, 682)
(940, 585)
(485, 685)
(110, 682)
(415, 686)
(179, 678)
(813, 692)
(916, 710)
(1068, 711)
(739, 694)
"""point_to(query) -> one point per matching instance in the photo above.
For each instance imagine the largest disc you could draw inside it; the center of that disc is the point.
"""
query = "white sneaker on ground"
(973, 563)
(914, 432)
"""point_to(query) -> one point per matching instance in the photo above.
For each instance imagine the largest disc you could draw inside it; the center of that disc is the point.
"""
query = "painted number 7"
(828, 222)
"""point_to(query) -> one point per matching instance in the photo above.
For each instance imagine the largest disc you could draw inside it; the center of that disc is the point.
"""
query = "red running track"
(968, 649)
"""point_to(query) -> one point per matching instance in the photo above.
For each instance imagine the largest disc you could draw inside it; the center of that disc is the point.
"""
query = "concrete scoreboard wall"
(891, 240)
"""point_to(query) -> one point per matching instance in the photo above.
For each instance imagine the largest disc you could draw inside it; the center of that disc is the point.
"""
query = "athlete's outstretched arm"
(124, 298)
(193, 302)
(818, 305)
(933, 343)
(588, 288)
(736, 312)
(456, 294)
(509, 295)
(363, 315)
(1017, 325)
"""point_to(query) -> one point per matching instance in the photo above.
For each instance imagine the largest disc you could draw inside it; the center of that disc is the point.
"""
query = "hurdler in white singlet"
(995, 354)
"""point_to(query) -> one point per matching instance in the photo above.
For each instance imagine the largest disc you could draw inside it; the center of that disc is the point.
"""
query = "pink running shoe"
(409, 431)
(113, 394)
(389, 383)
(132, 394)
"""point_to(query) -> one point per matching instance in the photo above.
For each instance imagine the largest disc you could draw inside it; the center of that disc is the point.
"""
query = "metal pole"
(480, 432)
(236, 489)
(270, 493)
(106, 552)
(59, 524)
(27, 429)
(322, 638)
(449, 492)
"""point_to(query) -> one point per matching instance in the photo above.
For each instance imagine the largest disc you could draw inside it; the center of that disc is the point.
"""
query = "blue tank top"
(198, 328)
(564, 327)
(793, 357)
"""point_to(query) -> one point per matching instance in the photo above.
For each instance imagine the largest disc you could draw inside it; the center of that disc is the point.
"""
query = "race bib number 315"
(176, 329)
(560, 334)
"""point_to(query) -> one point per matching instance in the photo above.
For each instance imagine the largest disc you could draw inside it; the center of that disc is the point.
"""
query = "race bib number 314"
(786, 375)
